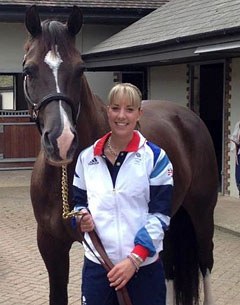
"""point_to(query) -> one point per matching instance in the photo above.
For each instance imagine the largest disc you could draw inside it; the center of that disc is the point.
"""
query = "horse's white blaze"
(65, 140)
(54, 60)
(207, 289)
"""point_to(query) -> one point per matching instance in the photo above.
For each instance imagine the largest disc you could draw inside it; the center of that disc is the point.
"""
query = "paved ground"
(23, 277)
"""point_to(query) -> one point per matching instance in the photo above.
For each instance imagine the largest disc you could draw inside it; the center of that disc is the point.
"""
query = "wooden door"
(19, 142)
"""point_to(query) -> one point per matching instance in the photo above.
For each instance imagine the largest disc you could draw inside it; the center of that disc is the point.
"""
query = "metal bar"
(18, 124)
(17, 160)
(15, 168)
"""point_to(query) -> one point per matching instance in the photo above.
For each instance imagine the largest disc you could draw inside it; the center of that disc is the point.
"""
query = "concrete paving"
(227, 215)
(227, 212)
(23, 277)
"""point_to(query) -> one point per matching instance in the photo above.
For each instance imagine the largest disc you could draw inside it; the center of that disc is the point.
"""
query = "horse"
(70, 118)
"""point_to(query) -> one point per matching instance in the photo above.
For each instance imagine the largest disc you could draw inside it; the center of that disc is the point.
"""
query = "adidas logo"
(93, 162)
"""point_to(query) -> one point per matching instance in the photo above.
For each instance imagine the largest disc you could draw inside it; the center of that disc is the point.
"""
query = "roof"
(175, 21)
(178, 32)
(88, 3)
(98, 11)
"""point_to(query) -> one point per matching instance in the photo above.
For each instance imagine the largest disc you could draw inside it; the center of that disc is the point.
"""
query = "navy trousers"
(147, 287)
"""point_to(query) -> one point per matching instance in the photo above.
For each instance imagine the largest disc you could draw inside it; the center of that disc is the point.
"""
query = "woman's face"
(123, 116)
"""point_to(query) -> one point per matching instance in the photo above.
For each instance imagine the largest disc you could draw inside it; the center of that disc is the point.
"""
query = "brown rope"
(122, 294)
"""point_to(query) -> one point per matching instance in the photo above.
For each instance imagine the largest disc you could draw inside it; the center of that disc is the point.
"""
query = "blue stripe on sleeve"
(79, 196)
(156, 151)
(160, 166)
(161, 197)
(142, 238)
(163, 224)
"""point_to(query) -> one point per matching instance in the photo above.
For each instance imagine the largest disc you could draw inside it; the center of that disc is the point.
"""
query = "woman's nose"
(121, 113)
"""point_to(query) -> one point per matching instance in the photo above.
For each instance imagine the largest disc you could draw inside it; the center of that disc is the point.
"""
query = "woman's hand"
(121, 273)
(86, 223)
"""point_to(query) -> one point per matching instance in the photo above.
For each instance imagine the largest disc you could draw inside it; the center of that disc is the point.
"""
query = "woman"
(124, 183)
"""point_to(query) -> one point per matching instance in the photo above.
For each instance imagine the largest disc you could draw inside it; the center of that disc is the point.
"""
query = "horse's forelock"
(54, 33)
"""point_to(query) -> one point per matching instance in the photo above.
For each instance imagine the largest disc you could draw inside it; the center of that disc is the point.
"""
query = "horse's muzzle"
(60, 150)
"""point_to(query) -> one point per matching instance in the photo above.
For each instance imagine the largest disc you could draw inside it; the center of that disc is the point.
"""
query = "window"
(7, 100)
(137, 78)
(11, 92)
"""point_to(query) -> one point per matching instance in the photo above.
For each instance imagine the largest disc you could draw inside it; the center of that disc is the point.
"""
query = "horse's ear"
(75, 21)
(32, 21)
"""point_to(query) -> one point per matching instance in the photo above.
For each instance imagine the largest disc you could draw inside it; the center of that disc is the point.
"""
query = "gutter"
(16, 13)
(195, 48)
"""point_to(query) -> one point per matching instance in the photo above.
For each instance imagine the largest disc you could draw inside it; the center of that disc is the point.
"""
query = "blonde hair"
(125, 89)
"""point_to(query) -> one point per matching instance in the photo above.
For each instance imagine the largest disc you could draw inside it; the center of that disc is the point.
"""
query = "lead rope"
(66, 210)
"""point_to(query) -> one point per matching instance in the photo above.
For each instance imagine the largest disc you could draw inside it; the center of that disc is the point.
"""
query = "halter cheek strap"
(36, 107)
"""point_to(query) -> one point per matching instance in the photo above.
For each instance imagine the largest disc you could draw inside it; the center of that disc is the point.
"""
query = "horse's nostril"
(47, 143)
(45, 137)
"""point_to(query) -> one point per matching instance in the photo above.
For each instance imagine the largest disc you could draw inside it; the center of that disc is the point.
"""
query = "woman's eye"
(114, 108)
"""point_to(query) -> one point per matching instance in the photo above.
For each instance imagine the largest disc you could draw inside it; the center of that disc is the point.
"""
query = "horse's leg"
(170, 297)
(182, 259)
(181, 288)
(203, 222)
(55, 254)
(204, 234)
(207, 289)
(167, 257)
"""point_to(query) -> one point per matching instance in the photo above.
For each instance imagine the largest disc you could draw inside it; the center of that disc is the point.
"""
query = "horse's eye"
(29, 71)
(25, 71)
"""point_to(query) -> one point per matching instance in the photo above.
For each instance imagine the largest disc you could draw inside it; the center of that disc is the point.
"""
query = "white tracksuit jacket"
(136, 210)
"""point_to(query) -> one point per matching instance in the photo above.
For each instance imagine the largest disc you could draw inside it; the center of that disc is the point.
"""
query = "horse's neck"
(92, 122)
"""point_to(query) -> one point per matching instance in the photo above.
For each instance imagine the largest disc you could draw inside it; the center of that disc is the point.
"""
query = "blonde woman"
(124, 183)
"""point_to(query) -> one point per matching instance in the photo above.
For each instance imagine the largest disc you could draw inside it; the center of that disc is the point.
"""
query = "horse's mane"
(53, 33)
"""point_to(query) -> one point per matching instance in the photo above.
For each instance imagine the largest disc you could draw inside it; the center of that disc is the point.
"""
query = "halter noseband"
(36, 107)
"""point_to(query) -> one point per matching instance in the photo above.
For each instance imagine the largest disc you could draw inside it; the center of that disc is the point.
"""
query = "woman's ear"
(140, 113)
(138, 126)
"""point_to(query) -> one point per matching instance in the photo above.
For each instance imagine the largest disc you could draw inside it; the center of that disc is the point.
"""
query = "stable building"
(183, 51)
(187, 52)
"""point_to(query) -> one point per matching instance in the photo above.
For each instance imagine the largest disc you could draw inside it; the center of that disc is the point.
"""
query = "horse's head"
(53, 70)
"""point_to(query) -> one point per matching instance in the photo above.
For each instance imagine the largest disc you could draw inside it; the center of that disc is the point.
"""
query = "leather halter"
(36, 107)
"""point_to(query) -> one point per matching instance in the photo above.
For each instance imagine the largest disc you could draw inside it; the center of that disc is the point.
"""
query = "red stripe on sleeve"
(141, 251)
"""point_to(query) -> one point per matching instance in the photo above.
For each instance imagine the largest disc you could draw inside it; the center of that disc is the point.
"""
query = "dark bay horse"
(70, 118)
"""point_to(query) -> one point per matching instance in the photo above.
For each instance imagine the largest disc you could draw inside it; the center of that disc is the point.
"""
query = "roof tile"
(175, 20)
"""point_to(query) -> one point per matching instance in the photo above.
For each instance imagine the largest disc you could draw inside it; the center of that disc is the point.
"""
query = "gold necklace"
(111, 150)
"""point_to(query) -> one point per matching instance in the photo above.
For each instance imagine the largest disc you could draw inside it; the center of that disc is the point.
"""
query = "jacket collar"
(133, 145)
